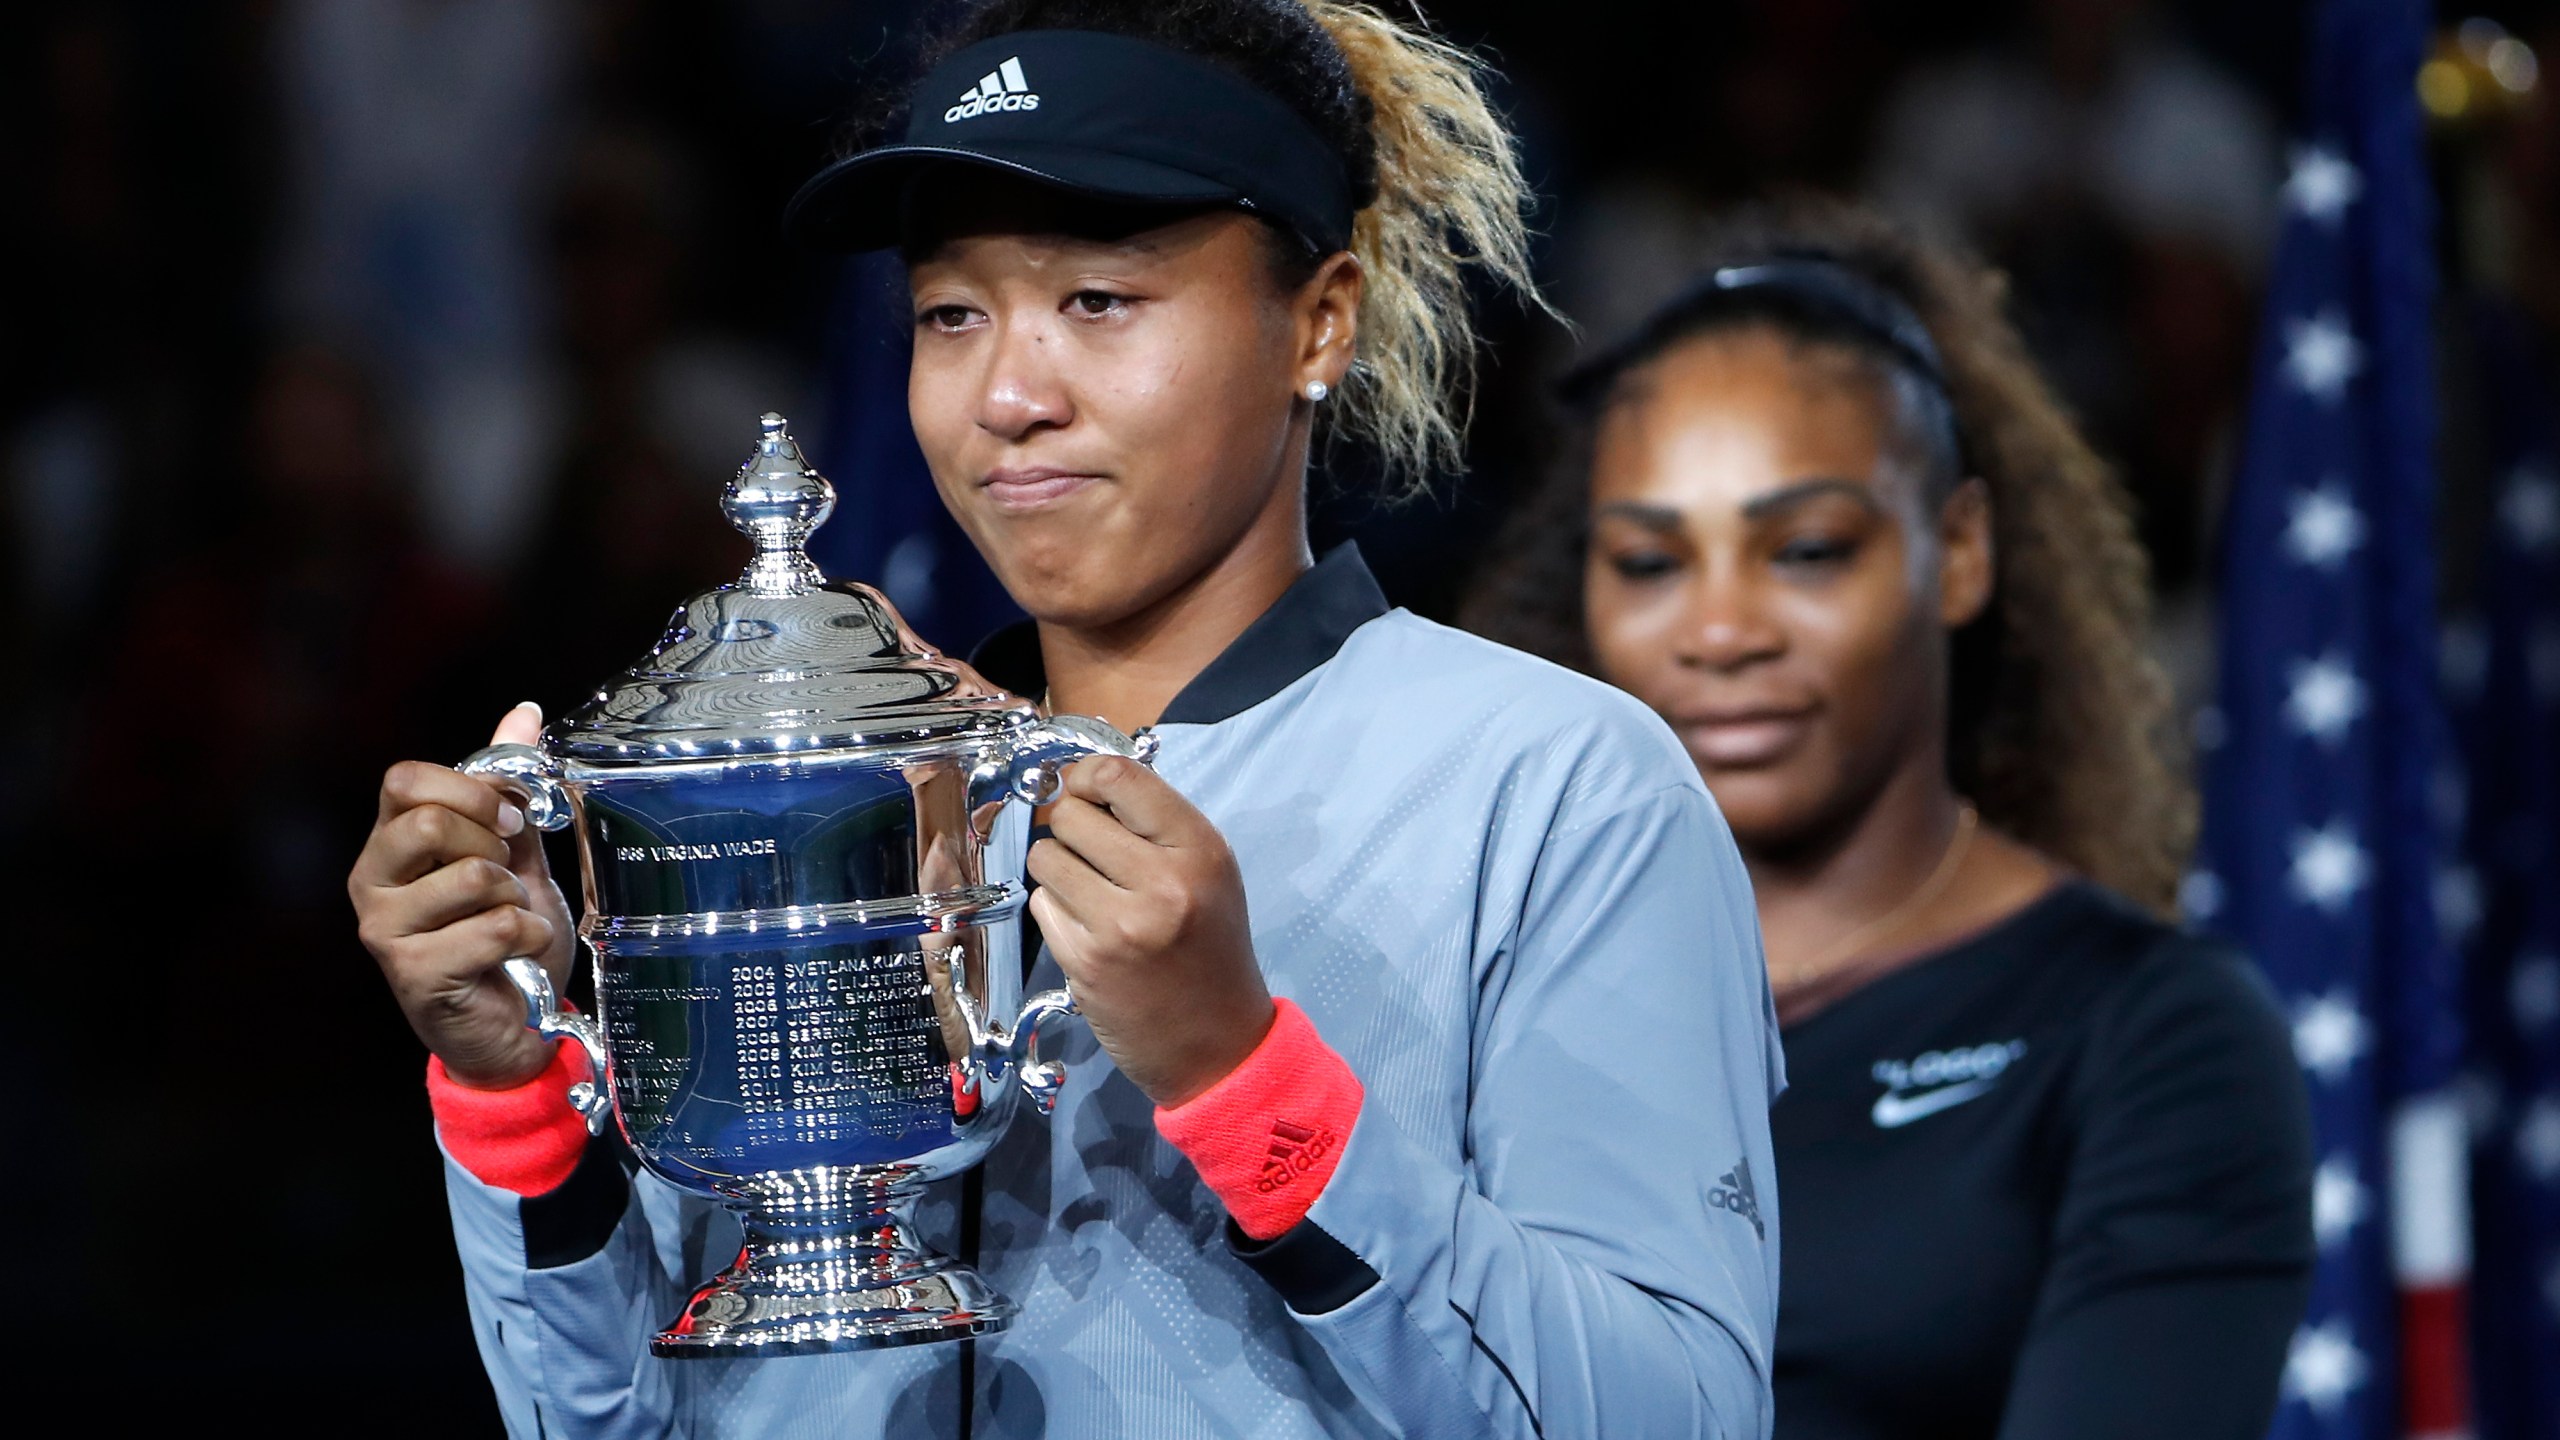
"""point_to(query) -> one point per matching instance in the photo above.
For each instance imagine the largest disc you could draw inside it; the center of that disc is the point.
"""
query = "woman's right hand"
(451, 884)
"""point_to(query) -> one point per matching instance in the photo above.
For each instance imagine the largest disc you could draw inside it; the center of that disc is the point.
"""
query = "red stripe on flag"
(2435, 1394)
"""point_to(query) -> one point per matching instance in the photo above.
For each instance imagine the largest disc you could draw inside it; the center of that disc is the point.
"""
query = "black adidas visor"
(1101, 116)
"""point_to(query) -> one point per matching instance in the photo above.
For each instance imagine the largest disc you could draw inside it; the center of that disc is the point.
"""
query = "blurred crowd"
(370, 365)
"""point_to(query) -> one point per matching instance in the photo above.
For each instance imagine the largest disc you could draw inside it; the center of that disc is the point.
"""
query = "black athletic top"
(2052, 1182)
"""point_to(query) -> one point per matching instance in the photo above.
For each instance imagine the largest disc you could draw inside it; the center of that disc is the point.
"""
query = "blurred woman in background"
(2044, 1159)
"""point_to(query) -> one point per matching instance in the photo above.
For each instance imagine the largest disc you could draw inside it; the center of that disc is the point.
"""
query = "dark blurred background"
(367, 366)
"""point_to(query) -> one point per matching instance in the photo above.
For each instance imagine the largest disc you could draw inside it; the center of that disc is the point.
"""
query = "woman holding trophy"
(1370, 1136)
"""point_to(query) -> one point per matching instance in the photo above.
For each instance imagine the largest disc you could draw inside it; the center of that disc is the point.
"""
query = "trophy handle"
(527, 772)
(542, 1013)
(1041, 1079)
(1027, 768)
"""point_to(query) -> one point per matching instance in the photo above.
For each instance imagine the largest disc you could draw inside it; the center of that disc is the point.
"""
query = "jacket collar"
(1302, 630)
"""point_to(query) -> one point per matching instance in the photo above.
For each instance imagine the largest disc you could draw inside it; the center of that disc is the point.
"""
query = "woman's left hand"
(1141, 903)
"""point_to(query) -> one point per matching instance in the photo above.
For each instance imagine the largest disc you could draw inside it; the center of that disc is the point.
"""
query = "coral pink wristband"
(526, 1139)
(1266, 1139)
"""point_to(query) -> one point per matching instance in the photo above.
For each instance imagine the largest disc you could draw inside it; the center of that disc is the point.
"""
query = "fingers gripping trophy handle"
(1029, 770)
(524, 771)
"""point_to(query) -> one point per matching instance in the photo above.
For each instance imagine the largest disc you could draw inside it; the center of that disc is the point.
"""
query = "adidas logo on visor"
(1003, 88)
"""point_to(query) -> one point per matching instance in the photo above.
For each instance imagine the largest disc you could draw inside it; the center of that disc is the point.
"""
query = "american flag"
(2322, 847)
(2502, 672)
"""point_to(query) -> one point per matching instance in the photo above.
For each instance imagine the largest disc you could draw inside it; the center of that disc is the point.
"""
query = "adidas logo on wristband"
(1295, 1149)
(1003, 88)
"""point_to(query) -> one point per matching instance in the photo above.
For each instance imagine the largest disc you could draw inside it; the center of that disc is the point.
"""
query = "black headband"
(1097, 115)
(1815, 284)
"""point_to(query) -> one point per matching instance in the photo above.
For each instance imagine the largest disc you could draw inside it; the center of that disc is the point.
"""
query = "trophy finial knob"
(779, 501)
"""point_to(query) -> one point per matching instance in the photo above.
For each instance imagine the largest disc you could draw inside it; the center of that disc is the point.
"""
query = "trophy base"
(745, 1313)
(817, 1283)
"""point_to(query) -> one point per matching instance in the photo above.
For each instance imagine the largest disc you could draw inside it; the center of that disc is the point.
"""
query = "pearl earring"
(1317, 390)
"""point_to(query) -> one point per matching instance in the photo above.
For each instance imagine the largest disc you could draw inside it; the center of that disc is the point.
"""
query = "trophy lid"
(782, 661)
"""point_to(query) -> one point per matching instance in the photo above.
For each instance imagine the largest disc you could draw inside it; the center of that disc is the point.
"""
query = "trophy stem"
(832, 1263)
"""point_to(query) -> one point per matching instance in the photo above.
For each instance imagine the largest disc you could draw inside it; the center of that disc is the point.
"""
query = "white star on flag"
(2320, 357)
(2329, 1036)
(2458, 903)
(2329, 867)
(2321, 184)
(2325, 526)
(2323, 1366)
(2533, 991)
(2538, 1138)
(2326, 698)
(2199, 895)
(2338, 1200)
(2529, 507)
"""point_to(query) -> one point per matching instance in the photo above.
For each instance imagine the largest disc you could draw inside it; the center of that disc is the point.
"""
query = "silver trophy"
(802, 835)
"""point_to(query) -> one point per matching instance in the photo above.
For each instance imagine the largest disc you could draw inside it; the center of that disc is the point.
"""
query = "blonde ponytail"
(1449, 196)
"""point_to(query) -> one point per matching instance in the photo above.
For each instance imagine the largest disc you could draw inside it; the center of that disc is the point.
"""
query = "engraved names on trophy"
(864, 1046)
(824, 1047)
(650, 1076)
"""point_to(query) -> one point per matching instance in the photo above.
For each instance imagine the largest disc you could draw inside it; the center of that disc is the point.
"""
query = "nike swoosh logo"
(1894, 1111)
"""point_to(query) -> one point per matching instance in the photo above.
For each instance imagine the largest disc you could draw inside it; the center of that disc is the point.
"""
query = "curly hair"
(1433, 173)
(2060, 722)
